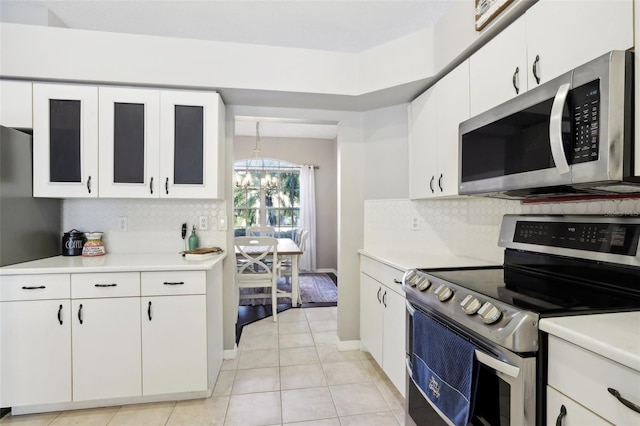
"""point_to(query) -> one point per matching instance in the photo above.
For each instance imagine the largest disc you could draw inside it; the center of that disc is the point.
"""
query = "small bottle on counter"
(193, 239)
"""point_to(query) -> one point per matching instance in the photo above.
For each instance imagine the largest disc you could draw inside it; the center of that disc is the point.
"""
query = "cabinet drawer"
(575, 414)
(34, 287)
(173, 282)
(585, 376)
(387, 275)
(117, 284)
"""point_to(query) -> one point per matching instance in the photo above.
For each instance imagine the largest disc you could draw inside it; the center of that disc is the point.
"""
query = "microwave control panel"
(586, 113)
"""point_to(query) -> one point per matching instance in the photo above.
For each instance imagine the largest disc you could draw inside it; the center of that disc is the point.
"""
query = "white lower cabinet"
(106, 348)
(383, 318)
(564, 411)
(35, 359)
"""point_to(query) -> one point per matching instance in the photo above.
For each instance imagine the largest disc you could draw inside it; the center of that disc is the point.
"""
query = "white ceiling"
(335, 25)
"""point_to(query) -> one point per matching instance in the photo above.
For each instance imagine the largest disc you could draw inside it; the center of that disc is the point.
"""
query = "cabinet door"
(452, 108)
(371, 319)
(35, 352)
(498, 71)
(106, 348)
(129, 138)
(564, 34)
(189, 157)
(573, 414)
(174, 344)
(423, 156)
(16, 108)
(65, 141)
(393, 332)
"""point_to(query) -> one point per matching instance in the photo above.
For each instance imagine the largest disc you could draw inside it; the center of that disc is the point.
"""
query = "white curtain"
(308, 215)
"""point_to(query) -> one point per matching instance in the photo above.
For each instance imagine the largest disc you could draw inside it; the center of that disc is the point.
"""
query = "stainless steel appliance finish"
(29, 227)
(571, 135)
(553, 266)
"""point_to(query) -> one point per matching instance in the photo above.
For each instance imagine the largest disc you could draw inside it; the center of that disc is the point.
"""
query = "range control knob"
(470, 305)
(423, 284)
(444, 293)
(489, 313)
(410, 278)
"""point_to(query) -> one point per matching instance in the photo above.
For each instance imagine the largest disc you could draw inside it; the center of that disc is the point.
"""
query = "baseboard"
(230, 353)
(325, 271)
(348, 345)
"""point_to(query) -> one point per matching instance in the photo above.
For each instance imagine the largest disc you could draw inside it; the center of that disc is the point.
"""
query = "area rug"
(314, 288)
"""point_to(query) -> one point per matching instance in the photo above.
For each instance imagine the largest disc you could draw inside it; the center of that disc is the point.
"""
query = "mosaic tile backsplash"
(465, 226)
(153, 226)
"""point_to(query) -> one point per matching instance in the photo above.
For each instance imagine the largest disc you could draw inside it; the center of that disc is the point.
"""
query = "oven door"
(505, 390)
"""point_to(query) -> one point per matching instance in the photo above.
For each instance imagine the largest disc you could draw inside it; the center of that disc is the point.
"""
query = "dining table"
(286, 247)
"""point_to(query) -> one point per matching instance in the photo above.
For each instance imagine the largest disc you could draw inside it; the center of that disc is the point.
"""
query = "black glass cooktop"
(542, 284)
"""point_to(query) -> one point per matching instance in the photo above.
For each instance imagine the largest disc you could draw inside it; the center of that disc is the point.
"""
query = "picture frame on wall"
(487, 10)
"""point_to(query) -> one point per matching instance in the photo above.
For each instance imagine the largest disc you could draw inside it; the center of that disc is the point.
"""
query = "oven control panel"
(506, 325)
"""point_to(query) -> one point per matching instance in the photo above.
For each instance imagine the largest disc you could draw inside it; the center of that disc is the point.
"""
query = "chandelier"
(266, 180)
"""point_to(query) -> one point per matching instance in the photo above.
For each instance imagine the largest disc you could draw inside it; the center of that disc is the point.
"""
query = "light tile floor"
(286, 373)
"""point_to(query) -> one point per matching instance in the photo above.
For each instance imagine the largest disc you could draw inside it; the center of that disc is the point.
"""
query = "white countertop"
(614, 336)
(410, 260)
(111, 263)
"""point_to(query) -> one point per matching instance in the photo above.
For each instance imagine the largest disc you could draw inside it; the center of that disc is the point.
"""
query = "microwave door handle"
(555, 130)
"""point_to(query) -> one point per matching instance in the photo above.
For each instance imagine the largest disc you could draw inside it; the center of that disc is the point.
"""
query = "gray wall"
(322, 153)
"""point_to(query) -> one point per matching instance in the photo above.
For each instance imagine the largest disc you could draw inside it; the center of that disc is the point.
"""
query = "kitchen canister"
(72, 243)
(94, 245)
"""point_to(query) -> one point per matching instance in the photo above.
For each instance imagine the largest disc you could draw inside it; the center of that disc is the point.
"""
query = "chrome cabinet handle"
(166, 186)
(516, 78)
(105, 285)
(80, 314)
(27, 287)
(563, 413)
(555, 129)
(60, 314)
(440, 182)
(431, 184)
(89, 184)
(149, 311)
(151, 185)
(624, 402)
(535, 69)
(379, 290)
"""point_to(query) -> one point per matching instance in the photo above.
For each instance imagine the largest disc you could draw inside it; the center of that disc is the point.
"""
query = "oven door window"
(492, 405)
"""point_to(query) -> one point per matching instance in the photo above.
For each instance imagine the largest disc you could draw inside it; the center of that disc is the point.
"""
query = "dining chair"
(257, 267)
(261, 231)
(286, 265)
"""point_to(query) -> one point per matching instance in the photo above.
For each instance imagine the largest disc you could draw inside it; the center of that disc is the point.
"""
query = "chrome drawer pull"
(174, 283)
(26, 287)
(106, 285)
(624, 402)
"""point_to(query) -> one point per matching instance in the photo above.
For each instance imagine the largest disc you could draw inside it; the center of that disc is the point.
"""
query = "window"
(268, 196)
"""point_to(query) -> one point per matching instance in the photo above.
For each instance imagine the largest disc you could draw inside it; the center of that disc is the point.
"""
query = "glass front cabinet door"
(65, 141)
(191, 134)
(129, 139)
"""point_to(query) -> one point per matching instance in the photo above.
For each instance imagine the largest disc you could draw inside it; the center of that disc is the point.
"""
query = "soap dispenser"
(193, 239)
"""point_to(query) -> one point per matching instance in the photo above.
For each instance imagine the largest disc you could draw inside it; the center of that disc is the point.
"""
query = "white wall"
(319, 152)
(386, 155)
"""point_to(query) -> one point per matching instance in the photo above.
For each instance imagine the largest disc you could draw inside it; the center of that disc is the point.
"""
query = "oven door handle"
(497, 365)
(410, 308)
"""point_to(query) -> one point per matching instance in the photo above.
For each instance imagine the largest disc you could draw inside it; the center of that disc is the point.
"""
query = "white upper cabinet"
(129, 139)
(551, 38)
(16, 104)
(65, 141)
(190, 141)
(423, 147)
(562, 35)
(498, 71)
(434, 118)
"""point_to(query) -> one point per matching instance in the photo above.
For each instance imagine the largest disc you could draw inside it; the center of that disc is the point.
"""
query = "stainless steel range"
(553, 266)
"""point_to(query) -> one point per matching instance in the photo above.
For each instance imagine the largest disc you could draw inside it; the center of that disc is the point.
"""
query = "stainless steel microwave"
(571, 135)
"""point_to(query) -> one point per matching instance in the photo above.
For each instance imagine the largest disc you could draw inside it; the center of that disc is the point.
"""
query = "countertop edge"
(410, 260)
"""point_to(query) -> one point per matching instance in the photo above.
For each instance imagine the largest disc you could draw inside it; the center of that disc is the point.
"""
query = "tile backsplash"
(465, 226)
(153, 226)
